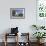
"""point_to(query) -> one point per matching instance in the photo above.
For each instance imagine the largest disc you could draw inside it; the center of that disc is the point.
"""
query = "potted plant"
(38, 27)
(39, 35)
(42, 27)
(35, 26)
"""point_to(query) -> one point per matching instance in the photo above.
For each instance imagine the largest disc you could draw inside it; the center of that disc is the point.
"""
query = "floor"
(13, 44)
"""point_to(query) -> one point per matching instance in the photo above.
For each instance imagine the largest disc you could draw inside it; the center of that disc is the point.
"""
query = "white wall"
(23, 24)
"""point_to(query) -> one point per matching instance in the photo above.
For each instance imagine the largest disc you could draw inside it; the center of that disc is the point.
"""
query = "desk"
(8, 34)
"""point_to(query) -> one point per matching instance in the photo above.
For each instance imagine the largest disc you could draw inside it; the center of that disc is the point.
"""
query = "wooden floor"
(13, 44)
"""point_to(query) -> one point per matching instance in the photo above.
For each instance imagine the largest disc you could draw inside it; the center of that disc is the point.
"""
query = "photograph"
(17, 13)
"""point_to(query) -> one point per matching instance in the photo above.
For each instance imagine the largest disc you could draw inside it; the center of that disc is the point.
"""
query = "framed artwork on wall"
(17, 13)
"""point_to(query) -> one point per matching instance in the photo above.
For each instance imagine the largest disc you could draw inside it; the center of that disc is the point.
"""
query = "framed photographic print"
(17, 13)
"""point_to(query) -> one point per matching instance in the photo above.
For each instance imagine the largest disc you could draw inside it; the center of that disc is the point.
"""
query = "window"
(41, 8)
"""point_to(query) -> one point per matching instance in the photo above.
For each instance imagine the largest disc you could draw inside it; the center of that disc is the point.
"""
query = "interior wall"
(23, 24)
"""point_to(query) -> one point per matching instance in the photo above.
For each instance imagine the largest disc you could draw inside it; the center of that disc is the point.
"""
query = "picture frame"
(17, 13)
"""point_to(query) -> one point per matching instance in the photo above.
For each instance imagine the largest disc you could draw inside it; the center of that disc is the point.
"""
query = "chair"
(26, 41)
(7, 35)
(14, 32)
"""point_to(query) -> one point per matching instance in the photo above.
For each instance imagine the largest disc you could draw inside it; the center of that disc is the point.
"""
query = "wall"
(23, 24)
